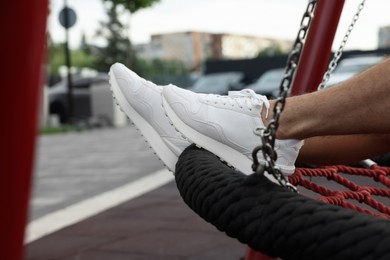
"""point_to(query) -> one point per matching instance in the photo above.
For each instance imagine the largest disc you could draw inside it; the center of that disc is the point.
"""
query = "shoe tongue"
(256, 98)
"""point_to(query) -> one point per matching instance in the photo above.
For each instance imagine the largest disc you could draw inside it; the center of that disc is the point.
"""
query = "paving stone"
(114, 226)
(169, 243)
(225, 252)
(156, 225)
(109, 255)
(57, 245)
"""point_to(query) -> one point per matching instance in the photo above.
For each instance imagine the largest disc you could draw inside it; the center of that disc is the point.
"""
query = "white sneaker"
(225, 125)
(141, 101)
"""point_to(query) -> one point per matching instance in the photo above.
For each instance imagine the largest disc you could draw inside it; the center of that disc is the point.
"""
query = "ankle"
(282, 132)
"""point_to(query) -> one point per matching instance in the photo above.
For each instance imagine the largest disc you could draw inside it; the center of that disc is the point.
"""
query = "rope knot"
(364, 193)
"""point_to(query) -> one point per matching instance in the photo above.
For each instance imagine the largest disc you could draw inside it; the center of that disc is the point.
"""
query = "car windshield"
(270, 77)
(216, 82)
(355, 65)
(270, 80)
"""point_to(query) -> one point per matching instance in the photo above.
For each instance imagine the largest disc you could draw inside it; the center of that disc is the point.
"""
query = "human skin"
(342, 124)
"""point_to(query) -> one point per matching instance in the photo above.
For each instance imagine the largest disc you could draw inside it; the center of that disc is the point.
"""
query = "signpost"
(67, 18)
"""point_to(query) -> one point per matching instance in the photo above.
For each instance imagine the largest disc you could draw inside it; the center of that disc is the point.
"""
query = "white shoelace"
(250, 99)
(245, 98)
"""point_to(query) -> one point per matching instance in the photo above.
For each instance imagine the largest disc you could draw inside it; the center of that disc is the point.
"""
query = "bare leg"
(360, 105)
(342, 124)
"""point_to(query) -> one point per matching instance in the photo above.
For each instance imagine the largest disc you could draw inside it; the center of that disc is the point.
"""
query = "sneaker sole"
(226, 153)
(147, 131)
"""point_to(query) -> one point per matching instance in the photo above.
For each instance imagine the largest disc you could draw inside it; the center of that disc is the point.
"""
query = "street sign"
(67, 23)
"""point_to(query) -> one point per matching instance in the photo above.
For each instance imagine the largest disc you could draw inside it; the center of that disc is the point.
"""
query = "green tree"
(272, 50)
(159, 68)
(87, 48)
(79, 57)
(133, 5)
(118, 45)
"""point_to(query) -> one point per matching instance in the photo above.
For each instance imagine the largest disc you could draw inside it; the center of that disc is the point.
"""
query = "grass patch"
(57, 130)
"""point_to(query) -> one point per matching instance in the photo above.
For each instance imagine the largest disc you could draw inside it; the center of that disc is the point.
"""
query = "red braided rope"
(350, 191)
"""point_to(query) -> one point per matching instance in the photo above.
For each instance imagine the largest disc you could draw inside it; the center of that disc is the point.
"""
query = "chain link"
(268, 134)
(337, 55)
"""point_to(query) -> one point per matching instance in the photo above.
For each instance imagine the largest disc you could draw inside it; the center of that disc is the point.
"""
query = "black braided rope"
(274, 220)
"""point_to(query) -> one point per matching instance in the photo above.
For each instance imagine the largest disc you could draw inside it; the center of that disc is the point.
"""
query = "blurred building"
(192, 48)
(384, 37)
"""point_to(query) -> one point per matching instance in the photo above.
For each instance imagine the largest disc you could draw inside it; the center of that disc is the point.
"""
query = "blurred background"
(179, 42)
(87, 147)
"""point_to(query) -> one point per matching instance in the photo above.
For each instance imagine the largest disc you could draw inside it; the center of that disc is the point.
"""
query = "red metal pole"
(313, 61)
(22, 30)
(316, 52)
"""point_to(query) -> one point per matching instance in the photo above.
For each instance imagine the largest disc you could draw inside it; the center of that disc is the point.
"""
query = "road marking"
(92, 206)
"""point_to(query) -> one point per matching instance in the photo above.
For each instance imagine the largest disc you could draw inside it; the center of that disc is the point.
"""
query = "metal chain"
(268, 134)
(337, 55)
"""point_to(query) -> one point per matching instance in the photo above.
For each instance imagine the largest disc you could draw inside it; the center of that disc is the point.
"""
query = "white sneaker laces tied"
(250, 99)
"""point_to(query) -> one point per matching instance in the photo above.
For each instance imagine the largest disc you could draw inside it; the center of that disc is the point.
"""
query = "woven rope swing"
(272, 219)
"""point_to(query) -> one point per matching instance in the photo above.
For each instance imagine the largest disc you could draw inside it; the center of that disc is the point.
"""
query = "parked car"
(268, 83)
(58, 97)
(349, 67)
(218, 83)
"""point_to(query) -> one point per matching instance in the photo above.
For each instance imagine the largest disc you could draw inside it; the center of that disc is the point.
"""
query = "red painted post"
(316, 52)
(313, 61)
(22, 30)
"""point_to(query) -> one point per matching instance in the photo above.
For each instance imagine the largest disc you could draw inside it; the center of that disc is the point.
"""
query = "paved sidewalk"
(157, 225)
(74, 167)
